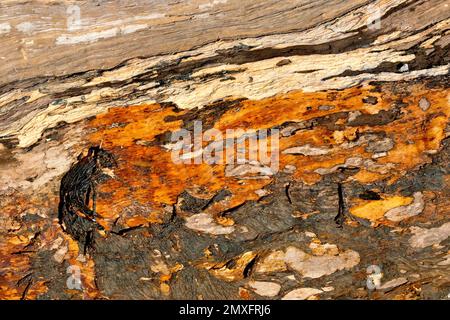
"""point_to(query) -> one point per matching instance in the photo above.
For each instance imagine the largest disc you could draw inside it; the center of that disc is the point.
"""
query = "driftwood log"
(355, 94)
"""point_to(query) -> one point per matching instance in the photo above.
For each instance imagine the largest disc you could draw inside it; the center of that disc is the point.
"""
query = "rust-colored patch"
(147, 180)
(16, 250)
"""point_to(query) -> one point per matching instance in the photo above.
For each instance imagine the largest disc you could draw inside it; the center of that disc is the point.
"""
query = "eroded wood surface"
(363, 118)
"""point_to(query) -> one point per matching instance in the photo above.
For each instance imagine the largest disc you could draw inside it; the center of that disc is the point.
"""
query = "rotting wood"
(362, 114)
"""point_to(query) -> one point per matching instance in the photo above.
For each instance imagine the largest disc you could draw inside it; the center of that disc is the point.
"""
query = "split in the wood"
(28, 281)
(340, 217)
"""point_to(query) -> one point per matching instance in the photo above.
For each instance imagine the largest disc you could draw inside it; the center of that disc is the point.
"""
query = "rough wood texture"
(361, 104)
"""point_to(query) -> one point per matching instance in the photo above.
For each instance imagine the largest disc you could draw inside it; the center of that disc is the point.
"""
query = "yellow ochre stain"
(374, 210)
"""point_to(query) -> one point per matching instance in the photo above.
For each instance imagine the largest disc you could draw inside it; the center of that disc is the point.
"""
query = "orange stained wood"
(16, 280)
(18, 250)
(148, 181)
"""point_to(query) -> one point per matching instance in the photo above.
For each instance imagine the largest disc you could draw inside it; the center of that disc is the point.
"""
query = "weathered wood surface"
(360, 105)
